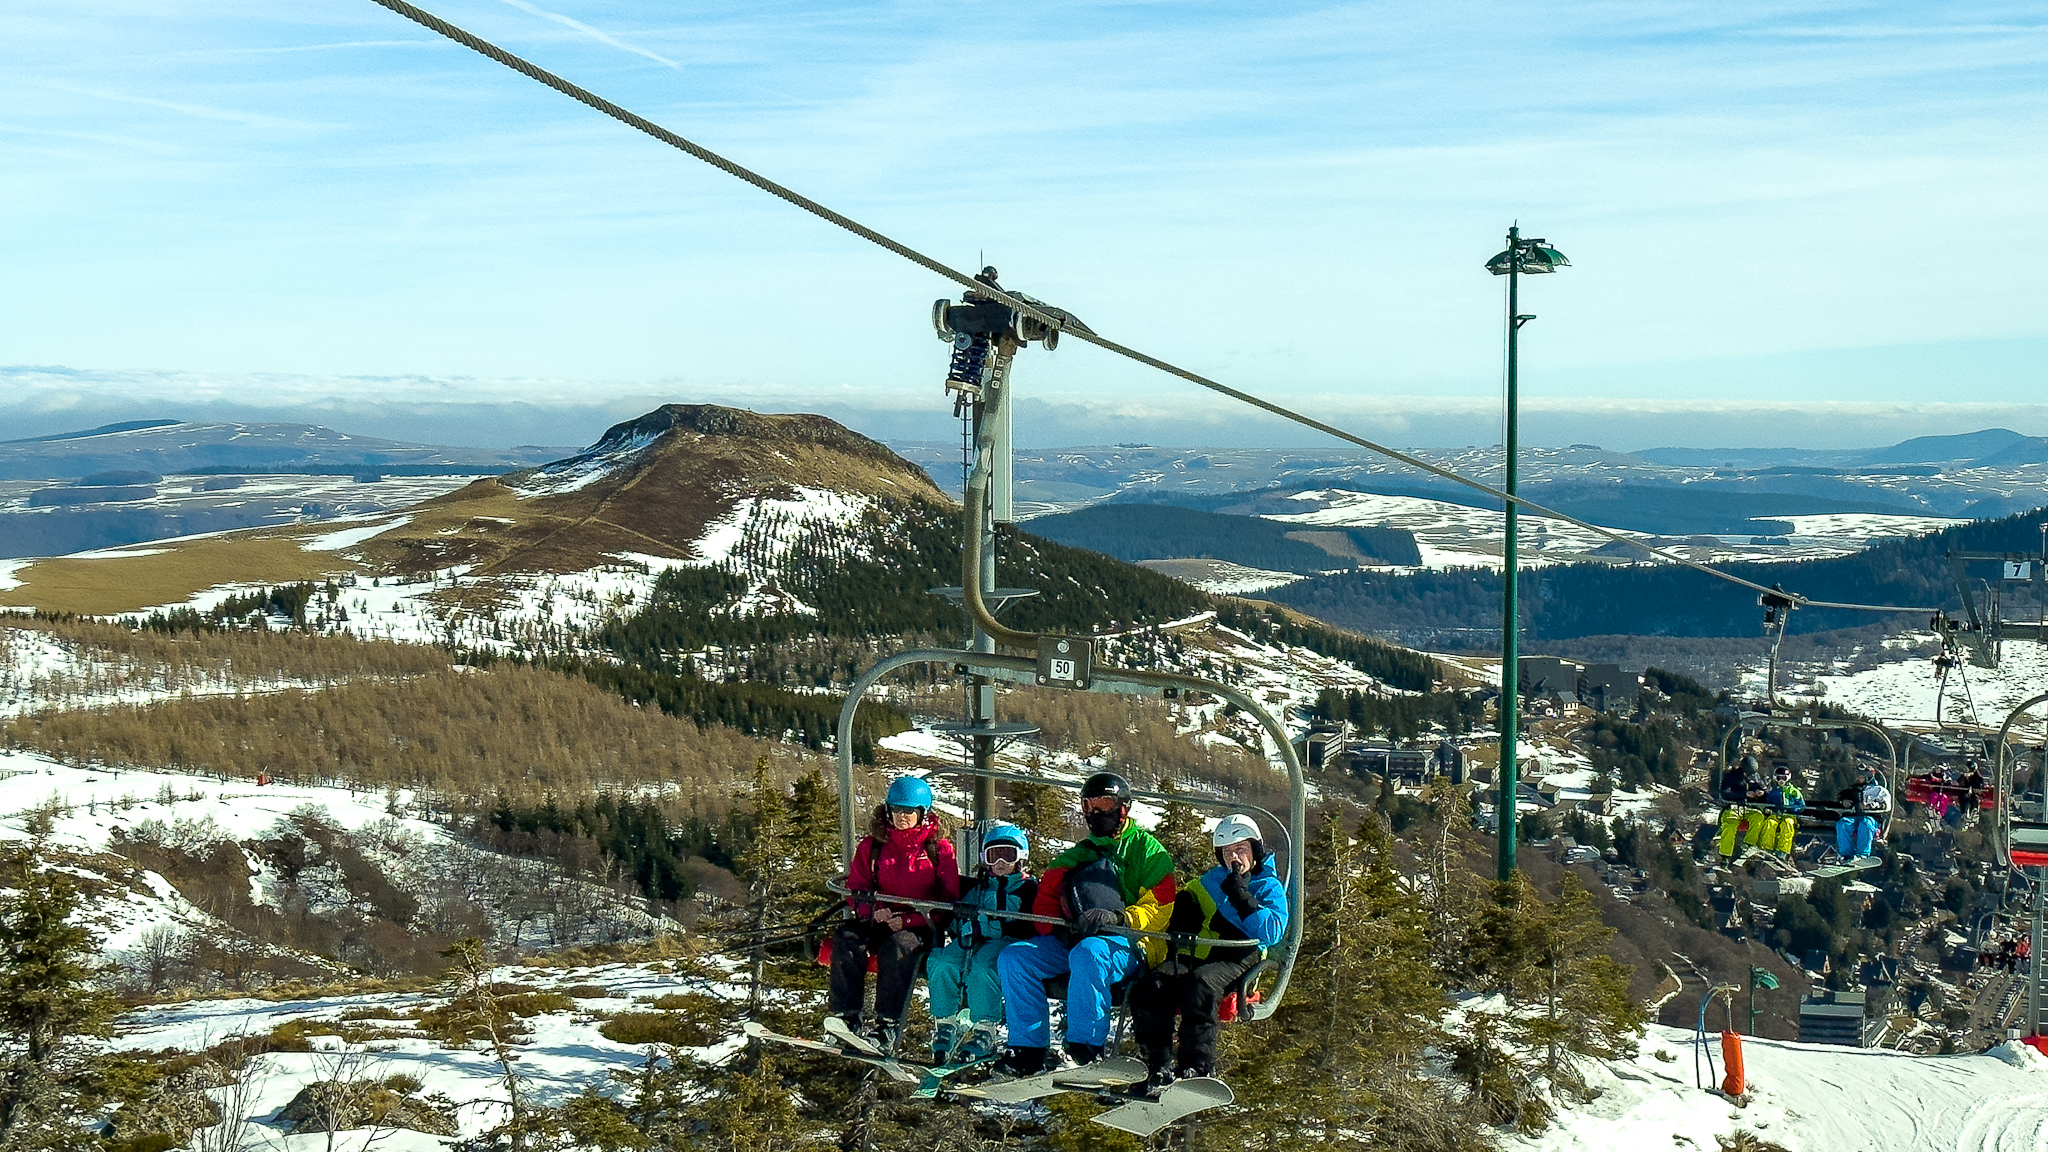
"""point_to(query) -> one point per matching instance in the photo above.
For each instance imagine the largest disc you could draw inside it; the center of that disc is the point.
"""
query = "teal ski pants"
(955, 972)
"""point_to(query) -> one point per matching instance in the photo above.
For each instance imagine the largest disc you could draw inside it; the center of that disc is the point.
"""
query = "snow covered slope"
(1811, 1098)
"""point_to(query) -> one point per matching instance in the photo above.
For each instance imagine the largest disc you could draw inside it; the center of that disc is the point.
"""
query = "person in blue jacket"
(965, 968)
(1225, 921)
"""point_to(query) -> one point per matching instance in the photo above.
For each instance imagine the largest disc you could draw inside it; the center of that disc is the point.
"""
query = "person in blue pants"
(1856, 833)
(964, 969)
(1120, 876)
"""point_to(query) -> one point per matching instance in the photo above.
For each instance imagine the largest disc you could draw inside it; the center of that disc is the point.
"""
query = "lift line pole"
(1510, 609)
(1521, 256)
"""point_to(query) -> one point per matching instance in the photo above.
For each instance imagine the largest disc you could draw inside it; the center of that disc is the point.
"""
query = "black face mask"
(1104, 823)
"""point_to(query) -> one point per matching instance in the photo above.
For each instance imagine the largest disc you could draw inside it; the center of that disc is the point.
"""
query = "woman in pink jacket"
(902, 855)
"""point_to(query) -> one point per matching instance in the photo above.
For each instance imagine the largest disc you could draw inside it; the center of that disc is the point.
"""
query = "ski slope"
(1810, 1098)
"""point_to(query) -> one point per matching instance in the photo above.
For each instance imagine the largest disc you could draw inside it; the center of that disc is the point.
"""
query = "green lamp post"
(1523, 257)
(1758, 978)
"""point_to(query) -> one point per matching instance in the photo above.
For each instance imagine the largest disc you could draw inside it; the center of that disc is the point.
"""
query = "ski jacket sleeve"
(1149, 886)
(1266, 924)
(860, 877)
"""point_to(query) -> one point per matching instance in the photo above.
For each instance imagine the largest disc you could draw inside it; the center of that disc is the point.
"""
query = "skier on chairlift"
(905, 855)
(1229, 917)
(1786, 797)
(1118, 876)
(1742, 797)
(963, 970)
(1856, 832)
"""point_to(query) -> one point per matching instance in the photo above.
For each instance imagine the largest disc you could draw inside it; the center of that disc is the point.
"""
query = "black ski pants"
(1191, 991)
(896, 958)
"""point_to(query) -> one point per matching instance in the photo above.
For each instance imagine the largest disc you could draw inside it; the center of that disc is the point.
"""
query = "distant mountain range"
(1675, 491)
(168, 447)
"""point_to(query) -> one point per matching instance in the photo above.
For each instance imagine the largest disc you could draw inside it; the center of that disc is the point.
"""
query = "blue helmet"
(1008, 834)
(909, 792)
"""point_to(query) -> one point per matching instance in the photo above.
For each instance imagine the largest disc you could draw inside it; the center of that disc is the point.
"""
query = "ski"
(1114, 1072)
(895, 1069)
(1180, 1099)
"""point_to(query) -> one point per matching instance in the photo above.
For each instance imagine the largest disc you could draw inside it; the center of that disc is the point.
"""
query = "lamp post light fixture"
(1522, 257)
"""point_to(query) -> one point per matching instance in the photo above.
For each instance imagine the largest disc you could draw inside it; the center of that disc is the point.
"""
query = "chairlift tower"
(986, 336)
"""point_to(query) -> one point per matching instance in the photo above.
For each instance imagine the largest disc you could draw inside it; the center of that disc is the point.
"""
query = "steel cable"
(1060, 323)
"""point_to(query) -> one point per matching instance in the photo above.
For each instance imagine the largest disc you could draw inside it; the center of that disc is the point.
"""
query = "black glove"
(1095, 920)
(1187, 915)
(1240, 896)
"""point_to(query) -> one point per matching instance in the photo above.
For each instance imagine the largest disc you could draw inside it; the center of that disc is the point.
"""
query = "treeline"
(1574, 600)
(880, 585)
(1164, 532)
(751, 707)
(1396, 667)
(108, 660)
(1401, 717)
(643, 841)
(455, 737)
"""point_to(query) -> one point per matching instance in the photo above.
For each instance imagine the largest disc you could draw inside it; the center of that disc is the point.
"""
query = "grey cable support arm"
(1059, 323)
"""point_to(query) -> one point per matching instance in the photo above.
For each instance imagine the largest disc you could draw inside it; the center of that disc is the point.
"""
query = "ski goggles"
(906, 809)
(1000, 854)
(1101, 804)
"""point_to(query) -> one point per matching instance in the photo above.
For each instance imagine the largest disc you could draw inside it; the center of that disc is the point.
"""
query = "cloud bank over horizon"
(501, 413)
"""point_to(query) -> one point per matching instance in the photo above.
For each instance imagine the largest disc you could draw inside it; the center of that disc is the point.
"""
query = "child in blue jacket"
(965, 967)
(1231, 916)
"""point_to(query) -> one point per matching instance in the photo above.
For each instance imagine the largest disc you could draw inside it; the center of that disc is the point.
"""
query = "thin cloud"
(593, 33)
(200, 111)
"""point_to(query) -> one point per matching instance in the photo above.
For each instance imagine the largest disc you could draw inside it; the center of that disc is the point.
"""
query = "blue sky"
(1788, 223)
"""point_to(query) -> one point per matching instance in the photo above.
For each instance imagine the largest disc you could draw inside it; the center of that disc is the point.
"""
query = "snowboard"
(935, 1076)
(1181, 1099)
(1111, 1072)
(866, 1053)
(1844, 868)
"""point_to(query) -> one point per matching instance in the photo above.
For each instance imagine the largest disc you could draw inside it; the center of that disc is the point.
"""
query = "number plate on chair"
(1065, 661)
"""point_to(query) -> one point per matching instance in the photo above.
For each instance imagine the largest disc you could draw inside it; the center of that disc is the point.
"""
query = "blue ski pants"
(958, 972)
(1091, 967)
(1855, 835)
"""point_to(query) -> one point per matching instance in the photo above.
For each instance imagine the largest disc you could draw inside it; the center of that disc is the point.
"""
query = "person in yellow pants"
(1742, 793)
(1786, 797)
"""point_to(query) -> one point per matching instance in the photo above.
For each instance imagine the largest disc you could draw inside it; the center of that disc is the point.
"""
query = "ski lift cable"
(1053, 318)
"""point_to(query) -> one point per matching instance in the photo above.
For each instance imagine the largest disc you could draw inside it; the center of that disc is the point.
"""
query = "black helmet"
(1783, 772)
(1106, 784)
(1748, 764)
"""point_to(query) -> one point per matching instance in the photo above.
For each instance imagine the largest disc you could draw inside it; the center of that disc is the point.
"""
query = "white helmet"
(1238, 828)
(1233, 828)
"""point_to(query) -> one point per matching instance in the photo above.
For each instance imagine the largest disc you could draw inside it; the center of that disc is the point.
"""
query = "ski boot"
(850, 1022)
(884, 1034)
(1158, 1073)
(981, 1040)
(1081, 1053)
(1019, 1063)
(945, 1038)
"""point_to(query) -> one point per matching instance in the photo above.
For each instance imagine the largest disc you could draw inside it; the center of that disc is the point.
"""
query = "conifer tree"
(1180, 830)
(47, 998)
(1338, 1063)
(1552, 958)
(786, 862)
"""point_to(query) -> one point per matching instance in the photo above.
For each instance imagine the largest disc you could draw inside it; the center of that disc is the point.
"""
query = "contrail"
(593, 33)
